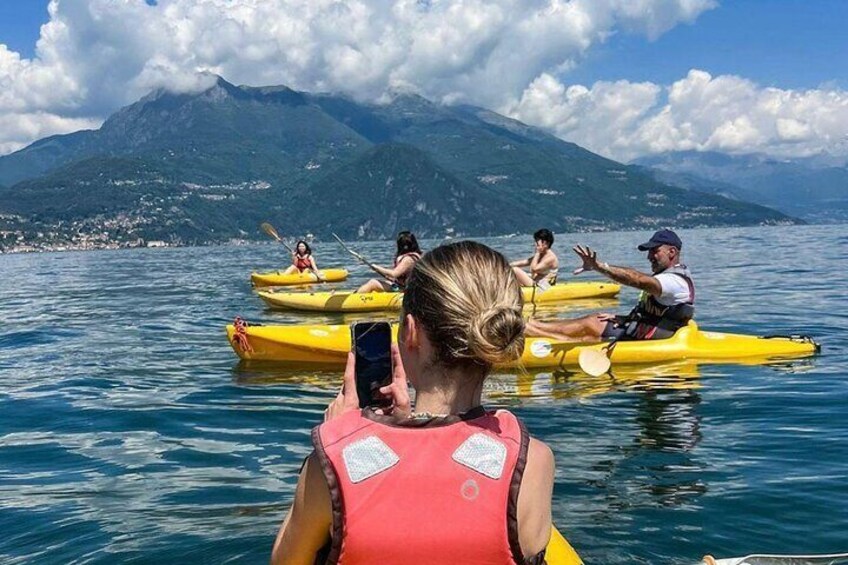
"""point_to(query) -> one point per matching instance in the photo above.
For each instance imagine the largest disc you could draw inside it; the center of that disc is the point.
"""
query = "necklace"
(425, 416)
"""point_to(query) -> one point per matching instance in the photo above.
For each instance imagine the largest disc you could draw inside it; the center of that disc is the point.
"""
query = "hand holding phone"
(371, 344)
(396, 393)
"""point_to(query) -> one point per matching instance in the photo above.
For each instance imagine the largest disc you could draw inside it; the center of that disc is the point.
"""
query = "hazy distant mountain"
(212, 165)
(814, 188)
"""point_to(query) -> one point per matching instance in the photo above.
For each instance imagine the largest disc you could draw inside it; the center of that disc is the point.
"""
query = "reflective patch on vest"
(367, 457)
(483, 454)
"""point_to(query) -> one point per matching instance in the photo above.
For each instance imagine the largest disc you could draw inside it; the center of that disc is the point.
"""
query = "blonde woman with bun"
(446, 481)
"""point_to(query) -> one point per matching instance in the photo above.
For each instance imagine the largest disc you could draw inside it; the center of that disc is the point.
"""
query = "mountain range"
(813, 188)
(212, 165)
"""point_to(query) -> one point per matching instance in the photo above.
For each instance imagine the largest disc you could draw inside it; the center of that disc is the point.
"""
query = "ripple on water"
(130, 432)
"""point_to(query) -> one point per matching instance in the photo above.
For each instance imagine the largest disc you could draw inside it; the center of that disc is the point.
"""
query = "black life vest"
(652, 320)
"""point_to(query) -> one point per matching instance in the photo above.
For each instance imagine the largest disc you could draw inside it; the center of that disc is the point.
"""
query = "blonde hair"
(468, 301)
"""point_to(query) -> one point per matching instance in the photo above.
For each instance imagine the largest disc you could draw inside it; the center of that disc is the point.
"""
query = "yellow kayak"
(559, 551)
(377, 301)
(278, 278)
(329, 344)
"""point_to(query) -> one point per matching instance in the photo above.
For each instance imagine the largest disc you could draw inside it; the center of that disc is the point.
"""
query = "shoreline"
(100, 245)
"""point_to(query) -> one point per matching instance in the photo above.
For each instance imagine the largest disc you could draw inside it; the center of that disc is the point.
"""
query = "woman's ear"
(411, 332)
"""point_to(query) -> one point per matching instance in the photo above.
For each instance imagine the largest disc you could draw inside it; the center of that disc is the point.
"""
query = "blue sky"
(783, 43)
(20, 21)
(737, 76)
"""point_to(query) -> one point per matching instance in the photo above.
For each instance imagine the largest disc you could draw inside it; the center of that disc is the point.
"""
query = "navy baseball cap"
(662, 237)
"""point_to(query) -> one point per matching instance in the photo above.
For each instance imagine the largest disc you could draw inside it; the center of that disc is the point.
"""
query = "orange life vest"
(439, 490)
(302, 262)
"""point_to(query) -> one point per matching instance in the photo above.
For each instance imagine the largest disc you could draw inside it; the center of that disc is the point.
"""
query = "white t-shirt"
(675, 289)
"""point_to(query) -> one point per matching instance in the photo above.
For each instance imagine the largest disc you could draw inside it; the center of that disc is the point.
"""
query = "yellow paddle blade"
(269, 229)
(594, 362)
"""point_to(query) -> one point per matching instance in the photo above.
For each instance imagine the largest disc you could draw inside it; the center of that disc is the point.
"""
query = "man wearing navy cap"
(665, 305)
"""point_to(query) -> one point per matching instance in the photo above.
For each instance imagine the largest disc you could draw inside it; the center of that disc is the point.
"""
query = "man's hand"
(589, 258)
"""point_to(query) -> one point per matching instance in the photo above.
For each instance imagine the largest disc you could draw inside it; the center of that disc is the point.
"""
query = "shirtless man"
(543, 264)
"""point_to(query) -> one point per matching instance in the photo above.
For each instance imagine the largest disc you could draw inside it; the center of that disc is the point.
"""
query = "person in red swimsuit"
(302, 260)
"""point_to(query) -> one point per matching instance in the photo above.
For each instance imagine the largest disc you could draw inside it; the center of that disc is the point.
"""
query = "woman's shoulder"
(410, 257)
(540, 457)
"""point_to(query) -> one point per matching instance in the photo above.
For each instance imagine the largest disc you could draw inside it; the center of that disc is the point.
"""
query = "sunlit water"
(129, 432)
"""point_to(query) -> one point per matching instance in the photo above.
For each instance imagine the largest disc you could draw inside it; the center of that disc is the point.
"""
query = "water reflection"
(502, 387)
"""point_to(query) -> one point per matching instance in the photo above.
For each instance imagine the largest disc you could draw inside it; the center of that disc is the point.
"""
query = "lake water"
(129, 432)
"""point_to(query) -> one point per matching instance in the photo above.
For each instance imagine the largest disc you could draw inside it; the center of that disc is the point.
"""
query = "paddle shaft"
(533, 300)
(359, 257)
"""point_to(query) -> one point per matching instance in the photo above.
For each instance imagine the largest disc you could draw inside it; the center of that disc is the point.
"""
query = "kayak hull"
(329, 345)
(346, 302)
(381, 301)
(559, 551)
(277, 278)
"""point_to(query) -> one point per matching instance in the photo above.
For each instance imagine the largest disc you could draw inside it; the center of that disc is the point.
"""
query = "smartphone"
(372, 342)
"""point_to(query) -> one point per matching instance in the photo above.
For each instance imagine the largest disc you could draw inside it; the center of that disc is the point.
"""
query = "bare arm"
(306, 528)
(631, 277)
(534, 499)
(541, 267)
(400, 270)
(522, 262)
(623, 275)
(313, 266)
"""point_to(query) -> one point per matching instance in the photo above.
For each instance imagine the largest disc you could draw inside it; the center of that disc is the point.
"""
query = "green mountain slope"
(396, 186)
(210, 166)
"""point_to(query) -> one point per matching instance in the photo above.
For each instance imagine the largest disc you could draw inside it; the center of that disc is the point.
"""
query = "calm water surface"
(129, 432)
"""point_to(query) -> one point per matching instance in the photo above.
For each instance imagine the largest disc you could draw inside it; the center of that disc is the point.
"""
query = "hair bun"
(496, 335)
(469, 303)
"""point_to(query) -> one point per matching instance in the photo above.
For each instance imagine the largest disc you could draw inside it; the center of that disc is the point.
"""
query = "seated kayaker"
(665, 305)
(543, 264)
(448, 481)
(407, 254)
(302, 260)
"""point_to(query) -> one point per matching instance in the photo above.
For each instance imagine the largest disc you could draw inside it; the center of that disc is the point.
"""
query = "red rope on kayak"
(240, 338)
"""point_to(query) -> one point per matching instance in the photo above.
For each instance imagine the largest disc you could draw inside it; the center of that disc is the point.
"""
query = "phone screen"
(372, 343)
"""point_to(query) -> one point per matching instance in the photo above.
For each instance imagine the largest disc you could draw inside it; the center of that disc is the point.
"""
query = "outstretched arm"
(400, 270)
(623, 275)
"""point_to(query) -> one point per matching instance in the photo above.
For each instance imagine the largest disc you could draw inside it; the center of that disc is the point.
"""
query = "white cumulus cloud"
(513, 56)
(95, 55)
(727, 113)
